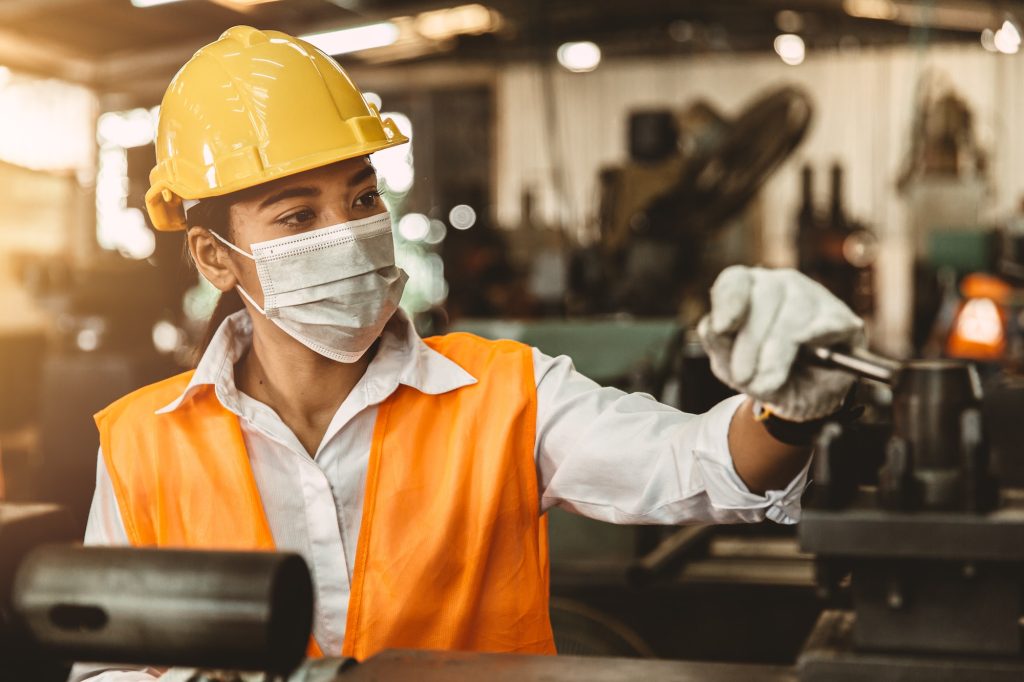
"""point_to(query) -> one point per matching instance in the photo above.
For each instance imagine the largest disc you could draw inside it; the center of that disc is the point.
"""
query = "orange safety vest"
(452, 549)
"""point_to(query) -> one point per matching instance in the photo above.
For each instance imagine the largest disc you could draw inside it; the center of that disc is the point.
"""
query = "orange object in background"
(978, 331)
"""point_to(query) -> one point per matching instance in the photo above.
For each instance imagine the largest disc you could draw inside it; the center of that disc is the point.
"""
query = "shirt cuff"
(724, 487)
(99, 672)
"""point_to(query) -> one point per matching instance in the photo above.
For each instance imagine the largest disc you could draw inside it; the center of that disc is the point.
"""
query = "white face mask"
(332, 289)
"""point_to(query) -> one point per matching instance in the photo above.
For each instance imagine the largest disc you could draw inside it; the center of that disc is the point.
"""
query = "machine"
(61, 603)
(667, 211)
(922, 570)
(930, 559)
(224, 617)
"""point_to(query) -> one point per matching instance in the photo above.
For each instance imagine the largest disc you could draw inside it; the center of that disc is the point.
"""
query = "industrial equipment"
(834, 249)
(662, 215)
(223, 610)
(933, 553)
(212, 614)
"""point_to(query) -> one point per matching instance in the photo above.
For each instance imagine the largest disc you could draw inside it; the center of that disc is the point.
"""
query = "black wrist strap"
(802, 434)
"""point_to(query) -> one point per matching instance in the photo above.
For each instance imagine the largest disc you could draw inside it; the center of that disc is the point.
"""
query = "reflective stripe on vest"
(452, 552)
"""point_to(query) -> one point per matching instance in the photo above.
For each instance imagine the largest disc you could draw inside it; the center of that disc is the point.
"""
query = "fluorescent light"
(790, 48)
(579, 57)
(883, 10)
(151, 3)
(348, 40)
(466, 19)
(1007, 38)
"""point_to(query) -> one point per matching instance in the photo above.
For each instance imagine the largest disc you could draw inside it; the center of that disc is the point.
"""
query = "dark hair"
(214, 214)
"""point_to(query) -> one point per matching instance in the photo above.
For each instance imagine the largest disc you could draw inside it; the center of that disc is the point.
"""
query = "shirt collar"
(402, 358)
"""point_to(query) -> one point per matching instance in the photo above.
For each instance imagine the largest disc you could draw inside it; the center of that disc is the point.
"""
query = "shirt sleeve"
(105, 527)
(626, 458)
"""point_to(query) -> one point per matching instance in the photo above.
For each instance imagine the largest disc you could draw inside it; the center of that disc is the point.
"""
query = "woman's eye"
(368, 200)
(298, 218)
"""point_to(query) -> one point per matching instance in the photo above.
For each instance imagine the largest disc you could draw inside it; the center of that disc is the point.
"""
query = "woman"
(411, 474)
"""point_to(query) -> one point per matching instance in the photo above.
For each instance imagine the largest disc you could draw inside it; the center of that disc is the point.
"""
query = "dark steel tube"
(225, 610)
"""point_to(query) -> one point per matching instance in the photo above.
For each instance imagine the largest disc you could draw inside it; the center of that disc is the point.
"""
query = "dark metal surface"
(930, 399)
(230, 610)
(436, 666)
(865, 530)
(829, 657)
(667, 558)
(940, 607)
(22, 528)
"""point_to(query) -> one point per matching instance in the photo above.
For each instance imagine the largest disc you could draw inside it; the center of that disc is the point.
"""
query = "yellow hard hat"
(251, 107)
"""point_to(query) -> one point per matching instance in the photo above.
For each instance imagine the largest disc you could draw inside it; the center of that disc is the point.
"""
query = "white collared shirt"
(602, 453)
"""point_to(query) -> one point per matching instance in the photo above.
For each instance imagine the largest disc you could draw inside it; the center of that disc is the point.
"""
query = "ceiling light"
(151, 3)
(579, 57)
(988, 40)
(790, 48)
(348, 40)
(1007, 38)
(463, 20)
(871, 9)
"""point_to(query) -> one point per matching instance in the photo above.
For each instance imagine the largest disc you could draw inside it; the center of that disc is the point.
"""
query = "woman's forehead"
(335, 174)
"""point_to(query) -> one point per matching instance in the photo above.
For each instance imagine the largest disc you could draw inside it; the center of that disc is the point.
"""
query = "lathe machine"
(924, 569)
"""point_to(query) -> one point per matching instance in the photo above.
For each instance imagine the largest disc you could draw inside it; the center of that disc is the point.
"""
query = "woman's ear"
(211, 258)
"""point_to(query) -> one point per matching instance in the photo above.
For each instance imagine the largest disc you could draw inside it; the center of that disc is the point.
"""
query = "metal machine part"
(670, 554)
(242, 610)
(668, 211)
(937, 457)
(61, 603)
(859, 362)
(932, 553)
(24, 527)
(437, 666)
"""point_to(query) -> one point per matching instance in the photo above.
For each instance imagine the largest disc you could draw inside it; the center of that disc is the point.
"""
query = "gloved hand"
(759, 318)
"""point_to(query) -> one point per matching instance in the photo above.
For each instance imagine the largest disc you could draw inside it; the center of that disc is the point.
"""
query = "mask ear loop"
(251, 257)
(231, 246)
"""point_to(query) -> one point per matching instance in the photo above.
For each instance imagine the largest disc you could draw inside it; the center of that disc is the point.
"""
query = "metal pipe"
(670, 554)
(224, 610)
(860, 362)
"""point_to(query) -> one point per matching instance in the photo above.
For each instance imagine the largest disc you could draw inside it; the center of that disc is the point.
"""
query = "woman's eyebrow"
(363, 174)
(288, 194)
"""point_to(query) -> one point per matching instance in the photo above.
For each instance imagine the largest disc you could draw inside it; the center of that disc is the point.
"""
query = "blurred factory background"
(580, 170)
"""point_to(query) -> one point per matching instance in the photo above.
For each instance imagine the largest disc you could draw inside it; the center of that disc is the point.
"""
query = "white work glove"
(759, 319)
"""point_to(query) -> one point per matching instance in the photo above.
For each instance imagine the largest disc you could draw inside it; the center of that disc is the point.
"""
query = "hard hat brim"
(164, 199)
